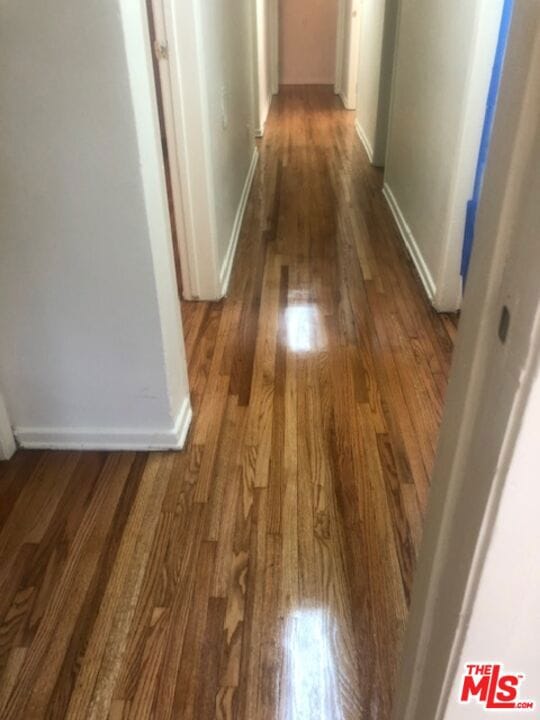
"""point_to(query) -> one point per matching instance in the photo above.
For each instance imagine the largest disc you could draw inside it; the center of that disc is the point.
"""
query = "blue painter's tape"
(472, 205)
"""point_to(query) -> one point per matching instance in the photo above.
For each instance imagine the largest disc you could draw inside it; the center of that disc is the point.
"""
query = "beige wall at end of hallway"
(307, 30)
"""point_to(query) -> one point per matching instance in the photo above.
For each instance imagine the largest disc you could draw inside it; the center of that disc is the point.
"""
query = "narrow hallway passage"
(266, 572)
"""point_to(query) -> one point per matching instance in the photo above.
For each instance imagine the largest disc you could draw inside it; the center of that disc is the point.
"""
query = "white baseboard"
(226, 268)
(410, 243)
(364, 140)
(109, 439)
(306, 81)
(7, 441)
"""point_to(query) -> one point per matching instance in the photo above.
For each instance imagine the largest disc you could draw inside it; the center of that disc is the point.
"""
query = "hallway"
(266, 571)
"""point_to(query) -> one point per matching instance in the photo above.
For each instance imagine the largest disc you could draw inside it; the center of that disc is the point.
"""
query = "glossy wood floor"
(266, 571)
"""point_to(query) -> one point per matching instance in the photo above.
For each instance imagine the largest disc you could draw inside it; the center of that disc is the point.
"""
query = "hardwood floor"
(266, 571)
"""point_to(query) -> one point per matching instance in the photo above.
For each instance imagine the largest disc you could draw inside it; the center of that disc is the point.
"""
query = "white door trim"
(348, 35)
(160, 50)
(183, 79)
(339, 47)
(7, 441)
(354, 47)
(274, 46)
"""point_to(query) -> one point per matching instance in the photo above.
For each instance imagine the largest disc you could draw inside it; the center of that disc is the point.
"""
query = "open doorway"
(312, 43)
(178, 47)
(297, 42)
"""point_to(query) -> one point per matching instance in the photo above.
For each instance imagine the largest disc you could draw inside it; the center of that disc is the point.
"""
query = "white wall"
(91, 350)
(505, 619)
(443, 64)
(308, 31)
(263, 62)
(228, 45)
(377, 20)
(348, 40)
(226, 32)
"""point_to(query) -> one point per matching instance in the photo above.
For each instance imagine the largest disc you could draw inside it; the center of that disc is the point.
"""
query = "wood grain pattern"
(266, 571)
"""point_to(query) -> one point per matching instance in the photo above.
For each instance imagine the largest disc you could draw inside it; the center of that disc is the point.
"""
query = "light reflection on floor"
(305, 328)
(310, 689)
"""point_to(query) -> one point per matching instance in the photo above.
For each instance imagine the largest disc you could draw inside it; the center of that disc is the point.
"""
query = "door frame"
(7, 440)
(158, 35)
(347, 91)
(263, 23)
(339, 46)
(274, 46)
(180, 51)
